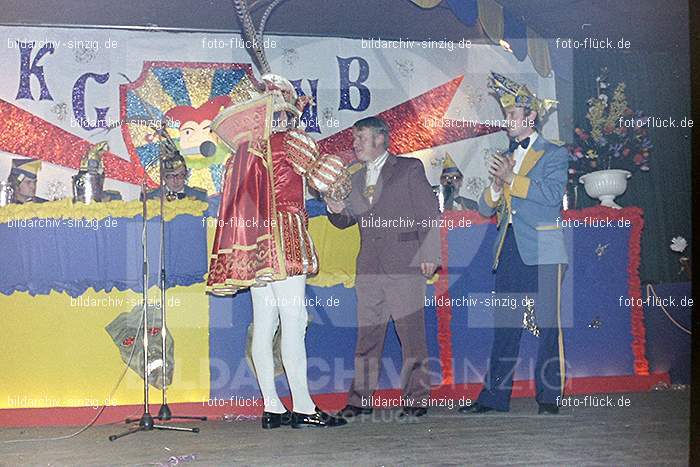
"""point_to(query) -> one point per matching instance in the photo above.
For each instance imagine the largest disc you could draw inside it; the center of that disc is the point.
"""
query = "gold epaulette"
(356, 167)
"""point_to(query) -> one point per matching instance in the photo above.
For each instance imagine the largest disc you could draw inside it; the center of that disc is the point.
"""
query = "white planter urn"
(605, 185)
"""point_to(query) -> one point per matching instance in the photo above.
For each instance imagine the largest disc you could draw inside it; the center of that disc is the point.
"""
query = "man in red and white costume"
(262, 241)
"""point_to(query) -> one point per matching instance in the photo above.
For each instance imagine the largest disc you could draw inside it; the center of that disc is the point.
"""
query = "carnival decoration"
(184, 97)
(26, 134)
(6, 193)
(88, 183)
(416, 124)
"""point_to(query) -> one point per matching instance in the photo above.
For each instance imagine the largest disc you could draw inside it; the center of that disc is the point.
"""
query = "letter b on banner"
(346, 83)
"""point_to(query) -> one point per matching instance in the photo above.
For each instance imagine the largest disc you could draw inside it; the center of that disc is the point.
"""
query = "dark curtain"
(658, 83)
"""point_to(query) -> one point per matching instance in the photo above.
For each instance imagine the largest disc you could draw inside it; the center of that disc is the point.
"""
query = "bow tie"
(173, 195)
(514, 144)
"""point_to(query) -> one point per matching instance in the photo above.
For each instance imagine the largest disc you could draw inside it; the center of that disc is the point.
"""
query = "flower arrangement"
(679, 245)
(616, 136)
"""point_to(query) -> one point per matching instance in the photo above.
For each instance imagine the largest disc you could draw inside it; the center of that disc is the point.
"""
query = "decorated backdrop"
(62, 89)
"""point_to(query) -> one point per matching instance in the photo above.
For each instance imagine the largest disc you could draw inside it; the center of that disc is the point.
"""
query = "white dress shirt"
(374, 168)
(518, 156)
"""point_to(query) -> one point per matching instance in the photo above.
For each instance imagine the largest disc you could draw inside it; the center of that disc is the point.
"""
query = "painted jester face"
(193, 135)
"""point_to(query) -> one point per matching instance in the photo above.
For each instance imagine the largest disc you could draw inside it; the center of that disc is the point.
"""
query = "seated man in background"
(22, 180)
(450, 184)
(175, 174)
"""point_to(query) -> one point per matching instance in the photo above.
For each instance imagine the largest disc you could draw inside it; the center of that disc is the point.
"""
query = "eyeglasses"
(181, 176)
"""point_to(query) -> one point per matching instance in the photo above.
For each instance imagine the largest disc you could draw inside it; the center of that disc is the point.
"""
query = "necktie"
(514, 144)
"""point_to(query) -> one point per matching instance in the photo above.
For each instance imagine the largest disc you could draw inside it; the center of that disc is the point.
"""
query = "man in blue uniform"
(175, 175)
(529, 254)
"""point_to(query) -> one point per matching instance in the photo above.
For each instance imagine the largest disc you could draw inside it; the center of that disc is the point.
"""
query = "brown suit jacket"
(399, 229)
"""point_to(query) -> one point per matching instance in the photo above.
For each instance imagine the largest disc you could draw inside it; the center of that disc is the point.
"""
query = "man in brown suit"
(397, 213)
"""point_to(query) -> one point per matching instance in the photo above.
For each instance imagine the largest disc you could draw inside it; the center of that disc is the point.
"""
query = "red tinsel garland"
(444, 308)
(415, 124)
(635, 216)
(26, 134)
(444, 313)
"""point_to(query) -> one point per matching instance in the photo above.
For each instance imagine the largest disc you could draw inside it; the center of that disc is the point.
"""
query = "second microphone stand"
(165, 413)
(146, 421)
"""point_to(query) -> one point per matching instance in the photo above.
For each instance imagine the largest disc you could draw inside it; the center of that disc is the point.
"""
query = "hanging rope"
(650, 289)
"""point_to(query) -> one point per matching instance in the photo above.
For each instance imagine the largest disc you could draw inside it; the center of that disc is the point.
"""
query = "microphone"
(207, 149)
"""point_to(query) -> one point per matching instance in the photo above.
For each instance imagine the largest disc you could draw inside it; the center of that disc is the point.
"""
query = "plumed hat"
(512, 94)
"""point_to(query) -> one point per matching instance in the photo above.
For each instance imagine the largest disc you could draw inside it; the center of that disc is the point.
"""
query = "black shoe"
(474, 409)
(413, 412)
(548, 409)
(319, 419)
(275, 420)
(353, 411)
(286, 418)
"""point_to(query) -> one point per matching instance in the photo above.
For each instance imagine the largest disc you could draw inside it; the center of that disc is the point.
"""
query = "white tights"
(281, 301)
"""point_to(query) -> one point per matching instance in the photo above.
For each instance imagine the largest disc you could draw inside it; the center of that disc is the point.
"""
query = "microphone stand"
(165, 413)
(145, 423)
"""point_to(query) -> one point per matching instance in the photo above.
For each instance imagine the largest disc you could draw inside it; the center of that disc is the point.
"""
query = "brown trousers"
(379, 299)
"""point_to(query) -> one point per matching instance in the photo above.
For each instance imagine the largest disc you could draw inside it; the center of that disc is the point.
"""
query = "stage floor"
(651, 430)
